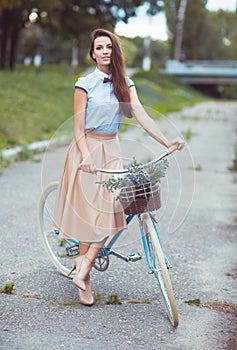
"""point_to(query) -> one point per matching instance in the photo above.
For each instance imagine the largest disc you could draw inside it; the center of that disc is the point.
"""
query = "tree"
(222, 35)
(179, 29)
(14, 15)
(185, 20)
(204, 34)
(195, 30)
(10, 26)
(78, 17)
(81, 17)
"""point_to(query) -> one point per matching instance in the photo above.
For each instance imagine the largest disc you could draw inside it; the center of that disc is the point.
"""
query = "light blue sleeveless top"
(102, 111)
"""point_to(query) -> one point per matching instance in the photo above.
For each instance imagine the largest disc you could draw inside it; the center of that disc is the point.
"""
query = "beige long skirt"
(84, 210)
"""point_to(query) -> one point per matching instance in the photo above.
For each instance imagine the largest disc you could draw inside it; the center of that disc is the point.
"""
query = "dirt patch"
(222, 306)
(29, 295)
(232, 274)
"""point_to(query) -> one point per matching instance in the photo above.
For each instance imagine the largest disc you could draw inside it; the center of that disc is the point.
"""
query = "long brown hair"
(118, 70)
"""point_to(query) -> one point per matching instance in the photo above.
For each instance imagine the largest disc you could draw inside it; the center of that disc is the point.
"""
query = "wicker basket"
(137, 200)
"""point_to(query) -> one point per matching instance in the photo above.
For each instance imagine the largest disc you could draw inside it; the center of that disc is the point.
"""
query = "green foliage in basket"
(138, 175)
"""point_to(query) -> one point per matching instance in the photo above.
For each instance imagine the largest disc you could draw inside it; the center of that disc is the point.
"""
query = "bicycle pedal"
(72, 251)
(134, 257)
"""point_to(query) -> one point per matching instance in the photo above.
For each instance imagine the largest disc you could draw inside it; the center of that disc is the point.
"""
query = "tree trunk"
(4, 38)
(75, 54)
(179, 29)
(13, 46)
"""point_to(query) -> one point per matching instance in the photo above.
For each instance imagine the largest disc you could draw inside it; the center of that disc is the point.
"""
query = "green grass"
(188, 134)
(164, 93)
(193, 301)
(113, 299)
(217, 305)
(33, 106)
(233, 167)
(8, 288)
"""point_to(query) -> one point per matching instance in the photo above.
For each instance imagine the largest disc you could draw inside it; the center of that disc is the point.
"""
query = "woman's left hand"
(178, 142)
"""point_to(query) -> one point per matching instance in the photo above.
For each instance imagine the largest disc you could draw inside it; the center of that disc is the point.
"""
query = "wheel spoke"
(159, 269)
(55, 247)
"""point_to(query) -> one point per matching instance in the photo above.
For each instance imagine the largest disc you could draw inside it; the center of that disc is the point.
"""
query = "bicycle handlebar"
(169, 151)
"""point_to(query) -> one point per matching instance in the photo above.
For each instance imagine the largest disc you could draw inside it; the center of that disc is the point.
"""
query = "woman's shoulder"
(129, 81)
(85, 81)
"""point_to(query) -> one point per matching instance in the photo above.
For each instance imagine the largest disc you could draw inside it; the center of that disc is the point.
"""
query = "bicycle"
(61, 251)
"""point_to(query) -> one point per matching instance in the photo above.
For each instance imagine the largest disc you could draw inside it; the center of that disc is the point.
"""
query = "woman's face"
(102, 51)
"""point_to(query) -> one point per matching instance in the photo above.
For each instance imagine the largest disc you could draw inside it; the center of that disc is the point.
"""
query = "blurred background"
(57, 31)
(174, 50)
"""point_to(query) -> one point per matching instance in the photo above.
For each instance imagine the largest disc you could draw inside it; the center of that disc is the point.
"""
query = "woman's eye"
(100, 47)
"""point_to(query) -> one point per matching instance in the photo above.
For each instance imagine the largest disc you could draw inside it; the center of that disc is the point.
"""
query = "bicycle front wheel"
(56, 248)
(159, 268)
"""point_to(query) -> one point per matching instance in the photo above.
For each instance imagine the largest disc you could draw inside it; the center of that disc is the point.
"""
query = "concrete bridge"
(204, 72)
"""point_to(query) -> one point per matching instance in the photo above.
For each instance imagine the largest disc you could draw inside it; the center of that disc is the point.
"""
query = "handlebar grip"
(172, 148)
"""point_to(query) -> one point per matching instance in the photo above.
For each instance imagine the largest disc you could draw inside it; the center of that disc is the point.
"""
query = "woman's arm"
(80, 103)
(149, 125)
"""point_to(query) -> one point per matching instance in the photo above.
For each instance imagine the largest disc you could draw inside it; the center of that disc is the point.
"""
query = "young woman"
(84, 210)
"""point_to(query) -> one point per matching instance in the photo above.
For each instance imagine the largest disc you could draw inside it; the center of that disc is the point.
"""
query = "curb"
(12, 153)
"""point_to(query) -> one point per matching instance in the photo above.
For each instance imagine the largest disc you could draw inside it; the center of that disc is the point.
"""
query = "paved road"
(200, 241)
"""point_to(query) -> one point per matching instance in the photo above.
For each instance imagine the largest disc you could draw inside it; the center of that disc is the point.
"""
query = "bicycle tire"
(54, 247)
(160, 269)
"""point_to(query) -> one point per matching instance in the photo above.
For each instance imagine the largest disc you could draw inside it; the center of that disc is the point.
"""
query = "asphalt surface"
(198, 229)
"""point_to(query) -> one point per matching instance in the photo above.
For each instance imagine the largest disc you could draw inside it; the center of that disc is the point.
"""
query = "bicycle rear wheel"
(58, 250)
(159, 268)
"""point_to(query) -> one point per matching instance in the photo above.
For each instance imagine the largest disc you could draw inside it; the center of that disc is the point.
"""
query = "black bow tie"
(107, 80)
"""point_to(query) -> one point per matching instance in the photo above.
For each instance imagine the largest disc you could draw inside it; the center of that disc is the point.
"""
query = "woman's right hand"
(87, 165)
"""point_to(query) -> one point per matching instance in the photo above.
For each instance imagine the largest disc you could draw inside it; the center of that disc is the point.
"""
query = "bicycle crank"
(134, 257)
